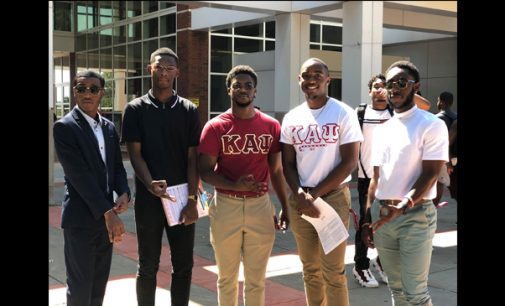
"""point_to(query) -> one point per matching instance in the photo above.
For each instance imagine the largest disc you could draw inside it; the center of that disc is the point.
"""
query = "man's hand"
(387, 213)
(121, 204)
(115, 226)
(367, 235)
(189, 213)
(159, 189)
(249, 183)
(305, 204)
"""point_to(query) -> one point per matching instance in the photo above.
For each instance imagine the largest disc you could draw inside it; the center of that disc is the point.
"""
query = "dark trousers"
(150, 221)
(88, 256)
(360, 257)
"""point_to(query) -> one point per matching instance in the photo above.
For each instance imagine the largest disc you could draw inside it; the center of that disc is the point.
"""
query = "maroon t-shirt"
(241, 146)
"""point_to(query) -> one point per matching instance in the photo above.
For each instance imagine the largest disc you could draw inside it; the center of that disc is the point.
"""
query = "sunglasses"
(401, 84)
(94, 90)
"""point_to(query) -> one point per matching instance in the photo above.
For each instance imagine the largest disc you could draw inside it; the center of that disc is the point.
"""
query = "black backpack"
(361, 117)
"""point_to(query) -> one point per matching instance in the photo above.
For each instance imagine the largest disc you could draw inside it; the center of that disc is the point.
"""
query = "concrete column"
(362, 48)
(292, 38)
(51, 102)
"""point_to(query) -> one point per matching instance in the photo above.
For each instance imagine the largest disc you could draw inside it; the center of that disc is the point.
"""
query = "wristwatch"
(192, 197)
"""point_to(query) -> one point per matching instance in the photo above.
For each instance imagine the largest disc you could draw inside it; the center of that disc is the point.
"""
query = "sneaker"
(365, 278)
(376, 264)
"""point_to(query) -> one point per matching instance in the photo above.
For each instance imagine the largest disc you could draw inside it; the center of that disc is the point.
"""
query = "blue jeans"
(150, 222)
(405, 246)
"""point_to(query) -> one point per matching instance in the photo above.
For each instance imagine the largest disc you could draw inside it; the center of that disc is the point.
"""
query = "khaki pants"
(323, 275)
(241, 228)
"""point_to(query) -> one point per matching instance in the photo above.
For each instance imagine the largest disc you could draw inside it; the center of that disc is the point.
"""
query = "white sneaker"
(376, 265)
(365, 278)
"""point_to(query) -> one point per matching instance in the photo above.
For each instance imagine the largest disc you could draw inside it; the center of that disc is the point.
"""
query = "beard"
(402, 106)
(245, 104)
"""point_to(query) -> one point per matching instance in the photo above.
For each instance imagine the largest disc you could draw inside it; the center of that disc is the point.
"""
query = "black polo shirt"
(165, 131)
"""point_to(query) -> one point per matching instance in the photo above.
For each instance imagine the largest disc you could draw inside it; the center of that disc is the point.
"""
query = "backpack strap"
(361, 117)
(361, 113)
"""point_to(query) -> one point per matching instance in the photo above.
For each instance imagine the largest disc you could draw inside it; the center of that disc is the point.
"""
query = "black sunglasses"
(401, 84)
(82, 89)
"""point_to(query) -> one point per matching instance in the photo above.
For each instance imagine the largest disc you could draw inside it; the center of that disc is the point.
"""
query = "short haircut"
(241, 69)
(164, 51)
(447, 97)
(320, 61)
(375, 77)
(90, 74)
(406, 65)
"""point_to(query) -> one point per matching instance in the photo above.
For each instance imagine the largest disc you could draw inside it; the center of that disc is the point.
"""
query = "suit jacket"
(86, 198)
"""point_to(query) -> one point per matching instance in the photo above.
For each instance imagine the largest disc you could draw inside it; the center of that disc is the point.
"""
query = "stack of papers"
(173, 209)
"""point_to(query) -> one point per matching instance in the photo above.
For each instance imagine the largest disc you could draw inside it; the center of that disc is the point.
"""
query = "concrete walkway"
(284, 277)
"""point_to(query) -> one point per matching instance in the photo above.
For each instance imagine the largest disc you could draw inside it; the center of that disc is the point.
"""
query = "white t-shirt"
(317, 135)
(371, 119)
(399, 147)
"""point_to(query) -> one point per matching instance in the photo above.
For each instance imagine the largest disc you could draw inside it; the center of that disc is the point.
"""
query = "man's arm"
(304, 199)
(349, 153)
(158, 188)
(190, 213)
(277, 178)
(206, 166)
(429, 174)
(366, 228)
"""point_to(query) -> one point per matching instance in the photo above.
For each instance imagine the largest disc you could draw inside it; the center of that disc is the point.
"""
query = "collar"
(407, 113)
(157, 103)
(92, 122)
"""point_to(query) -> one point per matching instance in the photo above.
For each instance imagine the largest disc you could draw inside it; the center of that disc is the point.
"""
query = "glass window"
(134, 64)
(118, 10)
(168, 42)
(165, 4)
(146, 82)
(119, 60)
(119, 35)
(255, 30)
(150, 6)
(106, 61)
(134, 88)
(315, 47)
(80, 42)
(270, 29)
(108, 98)
(81, 61)
(248, 45)
(335, 88)
(151, 28)
(134, 31)
(93, 60)
(87, 16)
(105, 12)
(269, 45)
(105, 38)
(223, 31)
(332, 48)
(134, 8)
(220, 54)
(62, 16)
(219, 99)
(315, 33)
(167, 24)
(149, 47)
(332, 34)
(92, 40)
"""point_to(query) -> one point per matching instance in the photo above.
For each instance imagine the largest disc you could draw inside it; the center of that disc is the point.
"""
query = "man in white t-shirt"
(408, 153)
(370, 116)
(320, 150)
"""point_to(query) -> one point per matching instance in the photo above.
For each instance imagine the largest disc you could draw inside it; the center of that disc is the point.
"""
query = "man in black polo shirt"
(162, 131)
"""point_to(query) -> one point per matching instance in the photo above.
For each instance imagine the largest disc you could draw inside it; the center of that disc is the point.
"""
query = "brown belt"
(241, 196)
(340, 187)
(389, 202)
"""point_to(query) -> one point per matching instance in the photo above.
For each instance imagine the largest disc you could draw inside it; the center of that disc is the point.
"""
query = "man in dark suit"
(87, 145)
